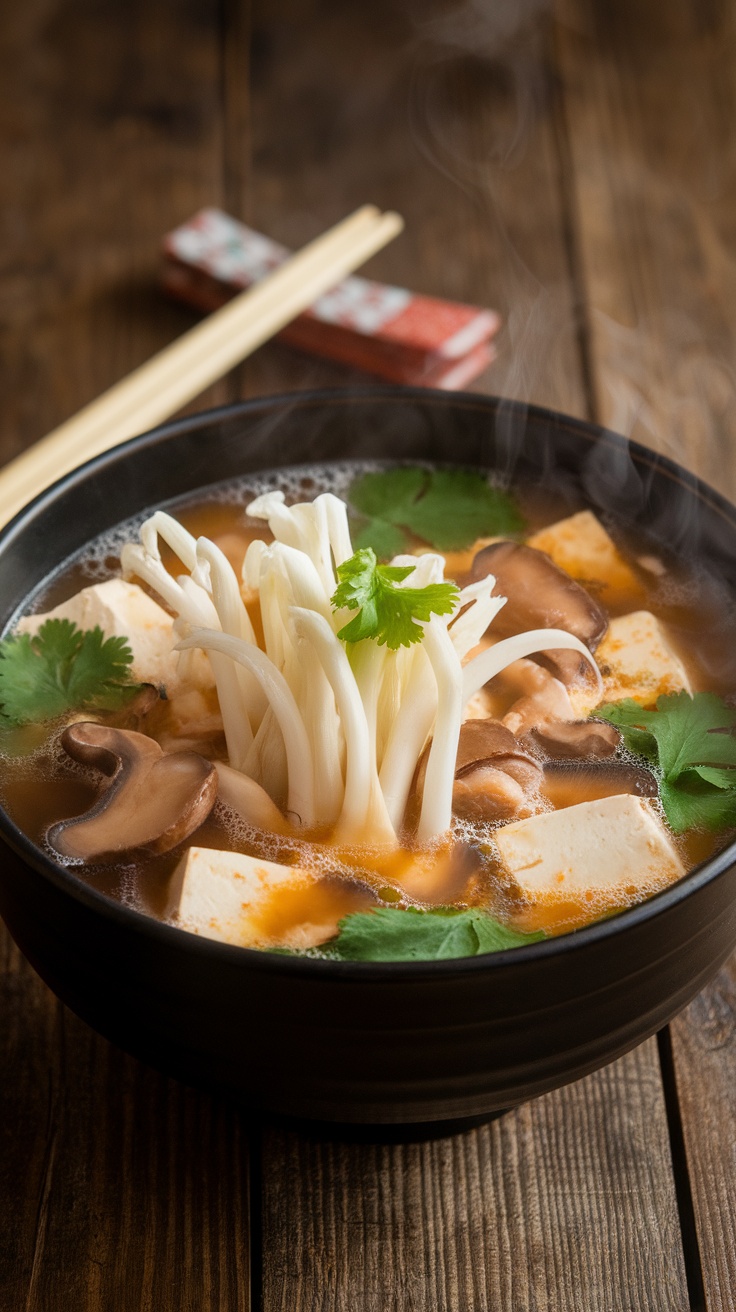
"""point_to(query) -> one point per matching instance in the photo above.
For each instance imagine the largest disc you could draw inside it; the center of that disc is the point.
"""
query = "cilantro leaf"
(62, 668)
(459, 507)
(386, 612)
(688, 806)
(449, 508)
(396, 934)
(692, 740)
(386, 493)
(385, 539)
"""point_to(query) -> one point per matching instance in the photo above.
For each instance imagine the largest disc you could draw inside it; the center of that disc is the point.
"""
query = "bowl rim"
(67, 882)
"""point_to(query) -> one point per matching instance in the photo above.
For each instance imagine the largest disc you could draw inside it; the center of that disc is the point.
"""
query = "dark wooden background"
(575, 168)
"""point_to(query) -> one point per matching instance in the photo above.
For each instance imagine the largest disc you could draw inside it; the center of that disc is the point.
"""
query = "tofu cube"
(572, 866)
(480, 706)
(581, 546)
(250, 902)
(124, 610)
(636, 659)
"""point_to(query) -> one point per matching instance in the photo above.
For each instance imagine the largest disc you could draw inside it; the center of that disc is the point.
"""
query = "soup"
(393, 713)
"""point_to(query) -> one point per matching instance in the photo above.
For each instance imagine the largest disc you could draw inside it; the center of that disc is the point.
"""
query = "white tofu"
(480, 706)
(571, 866)
(244, 900)
(194, 713)
(124, 610)
(636, 659)
(581, 546)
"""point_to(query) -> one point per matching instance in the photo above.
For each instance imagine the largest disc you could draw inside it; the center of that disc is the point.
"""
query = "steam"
(482, 112)
(613, 335)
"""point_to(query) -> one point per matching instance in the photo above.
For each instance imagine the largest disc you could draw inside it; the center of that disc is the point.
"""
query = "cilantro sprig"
(412, 934)
(448, 508)
(387, 612)
(691, 741)
(62, 668)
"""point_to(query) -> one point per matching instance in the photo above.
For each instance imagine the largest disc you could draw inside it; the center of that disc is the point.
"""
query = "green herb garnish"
(395, 934)
(690, 740)
(62, 668)
(448, 508)
(386, 612)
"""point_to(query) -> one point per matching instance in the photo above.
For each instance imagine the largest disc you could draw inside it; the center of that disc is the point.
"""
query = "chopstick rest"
(388, 331)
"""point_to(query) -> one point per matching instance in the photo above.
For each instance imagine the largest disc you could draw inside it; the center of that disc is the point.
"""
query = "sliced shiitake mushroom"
(248, 800)
(541, 596)
(496, 778)
(440, 877)
(484, 741)
(543, 697)
(495, 792)
(149, 800)
(575, 739)
(568, 782)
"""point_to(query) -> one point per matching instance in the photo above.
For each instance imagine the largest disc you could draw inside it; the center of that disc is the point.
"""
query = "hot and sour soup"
(373, 753)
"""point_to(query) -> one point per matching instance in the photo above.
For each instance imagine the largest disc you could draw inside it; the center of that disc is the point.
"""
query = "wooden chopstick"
(166, 382)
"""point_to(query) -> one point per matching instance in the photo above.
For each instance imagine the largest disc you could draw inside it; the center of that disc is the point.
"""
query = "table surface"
(577, 170)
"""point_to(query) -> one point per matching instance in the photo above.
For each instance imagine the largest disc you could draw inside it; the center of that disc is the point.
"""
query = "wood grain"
(395, 105)
(565, 1205)
(112, 124)
(650, 98)
(118, 1189)
(704, 1047)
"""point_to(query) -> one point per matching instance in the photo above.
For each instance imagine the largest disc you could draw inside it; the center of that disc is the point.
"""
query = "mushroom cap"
(485, 741)
(150, 800)
(568, 782)
(496, 778)
(491, 794)
(540, 595)
(575, 739)
(543, 697)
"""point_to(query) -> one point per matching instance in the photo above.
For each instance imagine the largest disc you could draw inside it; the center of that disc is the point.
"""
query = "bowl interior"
(577, 461)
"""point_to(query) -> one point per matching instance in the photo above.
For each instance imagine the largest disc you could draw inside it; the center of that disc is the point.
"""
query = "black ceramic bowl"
(347, 1042)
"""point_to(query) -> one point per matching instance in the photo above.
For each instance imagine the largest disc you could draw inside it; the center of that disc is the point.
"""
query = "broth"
(41, 786)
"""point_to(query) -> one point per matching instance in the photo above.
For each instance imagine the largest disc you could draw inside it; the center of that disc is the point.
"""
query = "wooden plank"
(554, 1207)
(704, 1047)
(119, 1189)
(649, 98)
(352, 105)
(110, 140)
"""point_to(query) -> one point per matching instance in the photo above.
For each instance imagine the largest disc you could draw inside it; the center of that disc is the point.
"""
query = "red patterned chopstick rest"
(384, 330)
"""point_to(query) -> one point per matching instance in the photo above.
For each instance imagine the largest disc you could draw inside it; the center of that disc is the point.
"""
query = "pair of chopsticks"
(166, 382)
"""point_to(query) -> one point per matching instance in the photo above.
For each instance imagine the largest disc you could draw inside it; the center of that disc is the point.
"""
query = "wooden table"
(579, 173)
